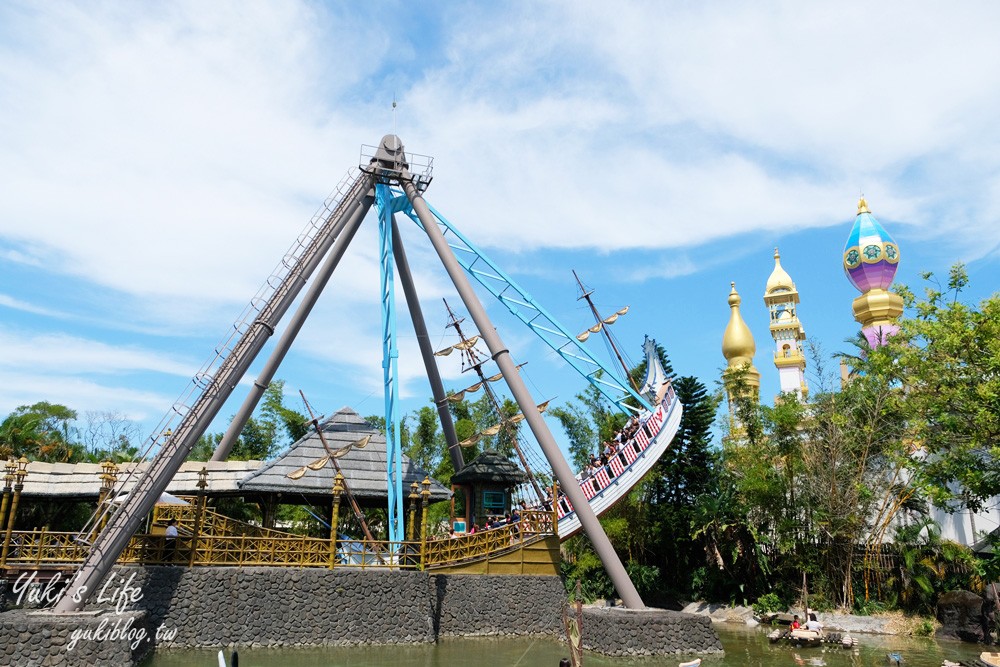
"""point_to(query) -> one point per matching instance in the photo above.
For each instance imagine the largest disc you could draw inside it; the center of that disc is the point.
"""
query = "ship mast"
(604, 328)
(476, 364)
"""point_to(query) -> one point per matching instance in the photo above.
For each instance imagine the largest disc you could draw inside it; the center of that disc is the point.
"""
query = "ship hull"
(627, 467)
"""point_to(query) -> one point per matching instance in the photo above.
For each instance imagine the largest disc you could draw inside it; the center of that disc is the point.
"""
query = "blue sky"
(156, 161)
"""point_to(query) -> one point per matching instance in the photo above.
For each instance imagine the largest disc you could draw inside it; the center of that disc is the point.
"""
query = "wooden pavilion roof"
(490, 467)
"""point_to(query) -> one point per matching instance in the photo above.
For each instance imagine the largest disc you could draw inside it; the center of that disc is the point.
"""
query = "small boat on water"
(804, 637)
(691, 663)
(991, 659)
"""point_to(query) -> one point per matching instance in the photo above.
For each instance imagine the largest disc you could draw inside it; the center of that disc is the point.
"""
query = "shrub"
(925, 628)
(768, 603)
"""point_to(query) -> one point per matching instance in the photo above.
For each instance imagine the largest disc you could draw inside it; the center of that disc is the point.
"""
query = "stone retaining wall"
(215, 607)
(211, 607)
(498, 605)
(624, 632)
(29, 639)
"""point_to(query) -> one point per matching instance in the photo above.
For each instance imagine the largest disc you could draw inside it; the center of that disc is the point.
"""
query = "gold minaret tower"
(782, 300)
(738, 348)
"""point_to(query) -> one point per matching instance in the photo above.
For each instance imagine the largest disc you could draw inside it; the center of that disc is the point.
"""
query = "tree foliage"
(949, 356)
(42, 431)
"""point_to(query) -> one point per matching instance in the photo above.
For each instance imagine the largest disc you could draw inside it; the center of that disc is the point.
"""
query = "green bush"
(768, 603)
(645, 577)
(594, 581)
(871, 607)
(925, 628)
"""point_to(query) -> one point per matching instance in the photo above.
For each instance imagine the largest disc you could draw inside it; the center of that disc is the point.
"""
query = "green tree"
(683, 474)
(41, 431)
(426, 444)
(282, 419)
(948, 354)
(205, 447)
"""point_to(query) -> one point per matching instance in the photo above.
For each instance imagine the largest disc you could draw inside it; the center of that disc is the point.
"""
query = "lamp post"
(8, 480)
(413, 510)
(20, 472)
(338, 490)
(109, 477)
(199, 513)
(425, 497)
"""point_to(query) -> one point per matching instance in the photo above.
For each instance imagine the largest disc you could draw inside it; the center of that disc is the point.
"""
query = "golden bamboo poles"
(338, 490)
(425, 501)
(414, 495)
(10, 467)
(20, 472)
(199, 513)
(109, 477)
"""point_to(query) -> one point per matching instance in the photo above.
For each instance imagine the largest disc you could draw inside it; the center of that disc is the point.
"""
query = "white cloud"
(165, 157)
(80, 394)
(173, 153)
(69, 355)
(17, 304)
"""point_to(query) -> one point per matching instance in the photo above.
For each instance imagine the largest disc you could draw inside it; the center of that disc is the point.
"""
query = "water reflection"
(745, 647)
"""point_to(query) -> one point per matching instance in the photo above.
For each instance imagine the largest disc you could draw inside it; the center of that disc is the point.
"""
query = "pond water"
(744, 647)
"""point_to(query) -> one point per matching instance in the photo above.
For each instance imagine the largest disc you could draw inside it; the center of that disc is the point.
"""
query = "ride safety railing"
(48, 549)
(533, 525)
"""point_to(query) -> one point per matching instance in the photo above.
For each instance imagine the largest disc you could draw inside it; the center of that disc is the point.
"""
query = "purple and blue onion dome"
(871, 256)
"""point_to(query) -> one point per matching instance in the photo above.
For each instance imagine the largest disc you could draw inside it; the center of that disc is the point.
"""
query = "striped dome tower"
(871, 257)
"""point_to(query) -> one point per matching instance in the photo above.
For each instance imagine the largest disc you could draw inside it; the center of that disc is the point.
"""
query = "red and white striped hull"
(627, 467)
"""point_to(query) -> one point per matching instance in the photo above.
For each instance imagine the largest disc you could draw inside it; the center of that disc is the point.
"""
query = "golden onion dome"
(737, 343)
(779, 277)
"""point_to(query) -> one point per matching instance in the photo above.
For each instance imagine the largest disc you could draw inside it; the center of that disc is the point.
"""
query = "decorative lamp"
(22, 469)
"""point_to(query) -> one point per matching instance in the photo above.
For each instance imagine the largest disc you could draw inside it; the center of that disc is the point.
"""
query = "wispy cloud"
(69, 355)
(158, 160)
(17, 304)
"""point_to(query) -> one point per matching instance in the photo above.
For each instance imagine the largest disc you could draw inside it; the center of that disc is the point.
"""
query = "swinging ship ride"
(394, 182)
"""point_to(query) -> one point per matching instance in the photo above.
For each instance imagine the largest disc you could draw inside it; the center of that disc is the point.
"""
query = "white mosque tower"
(781, 299)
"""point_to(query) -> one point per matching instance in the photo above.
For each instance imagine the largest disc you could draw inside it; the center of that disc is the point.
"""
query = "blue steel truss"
(529, 311)
(390, 374)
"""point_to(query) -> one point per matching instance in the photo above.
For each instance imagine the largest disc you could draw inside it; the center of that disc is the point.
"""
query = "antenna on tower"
(394, 112)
